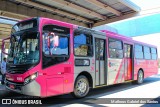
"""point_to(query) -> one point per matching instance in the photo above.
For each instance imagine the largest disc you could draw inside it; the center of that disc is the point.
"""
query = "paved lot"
(97, 97)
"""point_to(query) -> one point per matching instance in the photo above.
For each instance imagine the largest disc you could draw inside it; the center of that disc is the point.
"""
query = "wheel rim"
(81, 87)
(140, 77)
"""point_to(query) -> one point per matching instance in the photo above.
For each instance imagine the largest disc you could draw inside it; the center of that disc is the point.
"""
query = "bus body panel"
(115, 71)
(61, 75)
(150, 67)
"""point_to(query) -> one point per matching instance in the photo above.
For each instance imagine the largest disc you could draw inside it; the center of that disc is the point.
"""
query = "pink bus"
(49, 57)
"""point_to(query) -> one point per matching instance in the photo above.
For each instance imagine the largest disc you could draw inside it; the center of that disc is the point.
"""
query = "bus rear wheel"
(81, 87)
(140, 77)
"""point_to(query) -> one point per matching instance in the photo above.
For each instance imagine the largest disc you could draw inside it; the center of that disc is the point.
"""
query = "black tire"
(140, 77)
(81, 87)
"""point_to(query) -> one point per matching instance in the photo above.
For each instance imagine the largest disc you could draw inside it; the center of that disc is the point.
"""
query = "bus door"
(100, 61)
(128, 59)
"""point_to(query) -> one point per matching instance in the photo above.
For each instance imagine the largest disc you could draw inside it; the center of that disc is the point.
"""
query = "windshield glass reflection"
(24, 49)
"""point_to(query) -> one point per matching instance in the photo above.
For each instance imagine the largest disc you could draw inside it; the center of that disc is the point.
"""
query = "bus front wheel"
(140, 77)
(81, 87)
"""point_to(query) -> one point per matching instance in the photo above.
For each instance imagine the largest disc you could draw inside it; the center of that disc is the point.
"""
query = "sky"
(147, 4)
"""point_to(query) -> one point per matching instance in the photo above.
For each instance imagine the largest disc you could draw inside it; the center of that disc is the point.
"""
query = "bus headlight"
(30, 78)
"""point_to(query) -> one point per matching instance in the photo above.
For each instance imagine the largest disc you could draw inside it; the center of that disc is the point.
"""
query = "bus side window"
(55, 45)
(153, 53)
(139, 51)
(147, 52)
(115, 48)
(82, 45)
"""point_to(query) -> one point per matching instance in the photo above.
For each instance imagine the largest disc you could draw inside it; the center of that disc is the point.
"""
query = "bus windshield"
(24, 48)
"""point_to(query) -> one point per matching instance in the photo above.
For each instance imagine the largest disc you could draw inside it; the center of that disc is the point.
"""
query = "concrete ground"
(101, 96)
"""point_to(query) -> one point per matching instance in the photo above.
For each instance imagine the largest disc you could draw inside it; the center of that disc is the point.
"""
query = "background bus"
(49, 57)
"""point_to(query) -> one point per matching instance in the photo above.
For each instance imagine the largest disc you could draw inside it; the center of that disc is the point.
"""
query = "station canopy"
(92, 11)
(88, 13)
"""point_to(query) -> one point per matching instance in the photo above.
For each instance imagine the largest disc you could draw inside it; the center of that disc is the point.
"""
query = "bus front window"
(24, 49)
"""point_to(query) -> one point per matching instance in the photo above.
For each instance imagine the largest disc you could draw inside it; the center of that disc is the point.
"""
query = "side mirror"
(3, 45)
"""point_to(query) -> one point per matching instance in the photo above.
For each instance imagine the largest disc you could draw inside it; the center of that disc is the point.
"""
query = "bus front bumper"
(31, 89)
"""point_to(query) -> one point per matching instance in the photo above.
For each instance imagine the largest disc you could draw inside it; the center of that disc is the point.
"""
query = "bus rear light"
(30, 78)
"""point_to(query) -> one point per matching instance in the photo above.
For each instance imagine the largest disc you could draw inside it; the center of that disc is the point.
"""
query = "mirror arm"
(50, 34)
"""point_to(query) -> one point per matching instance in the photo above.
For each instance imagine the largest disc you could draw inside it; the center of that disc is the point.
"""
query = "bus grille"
(18, 69)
